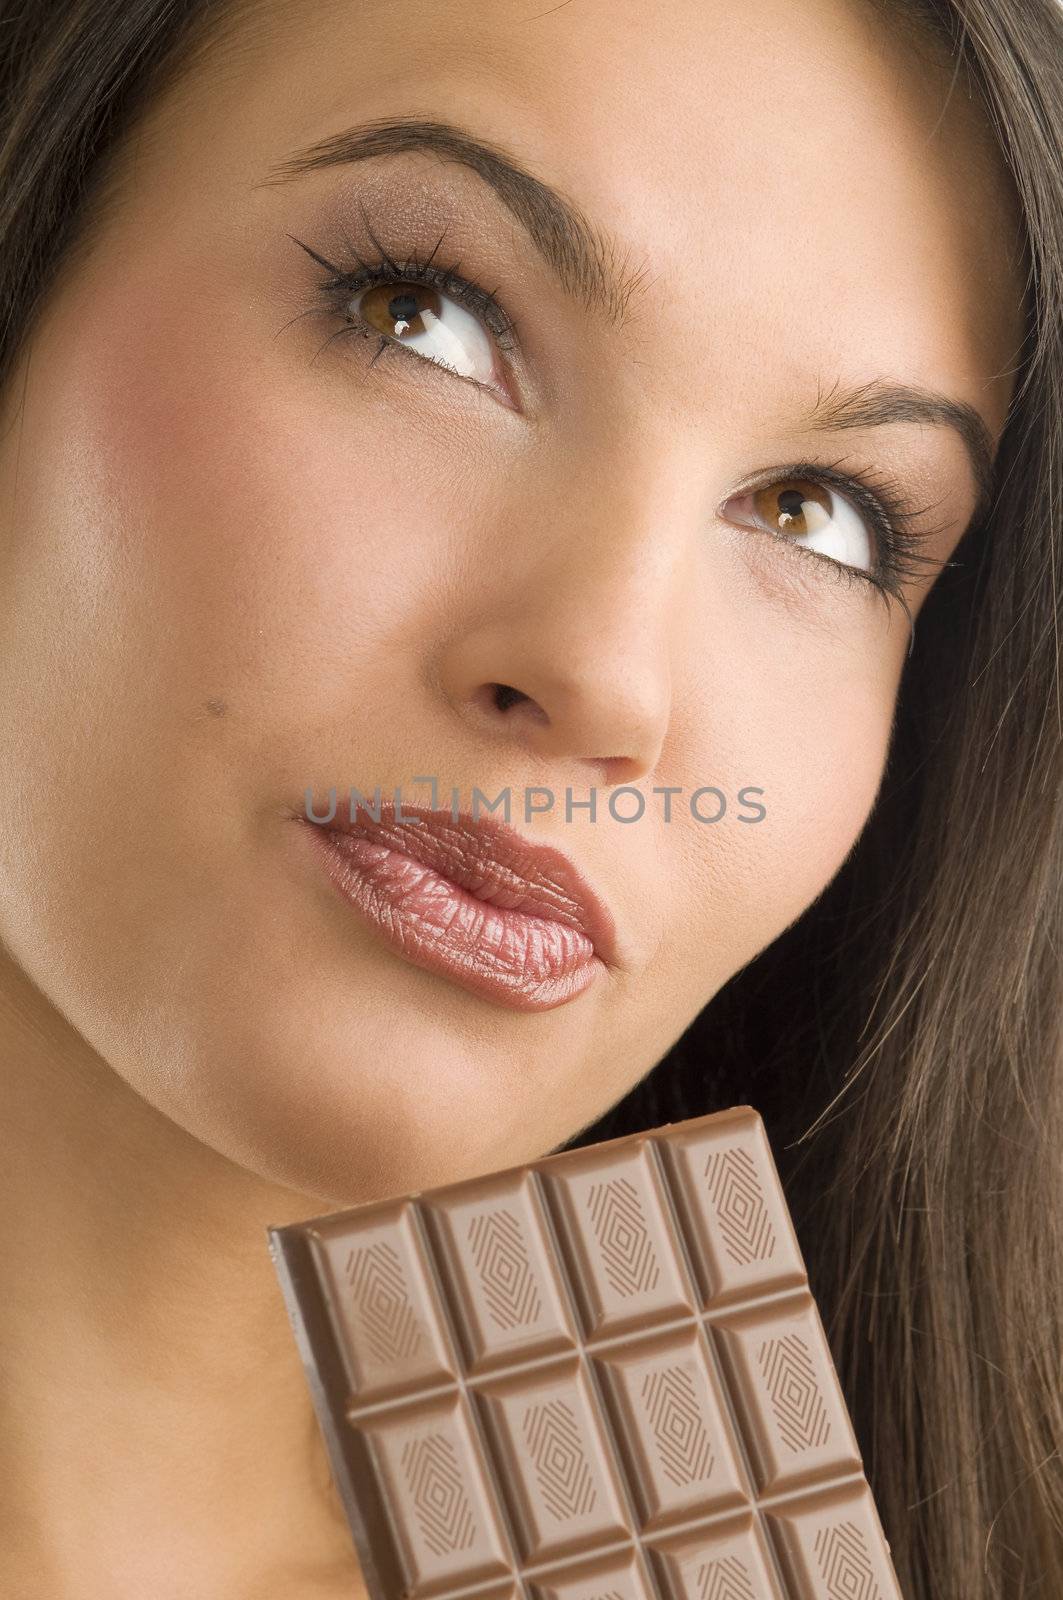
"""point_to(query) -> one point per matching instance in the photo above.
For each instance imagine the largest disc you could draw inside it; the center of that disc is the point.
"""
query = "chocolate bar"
(598, 1376)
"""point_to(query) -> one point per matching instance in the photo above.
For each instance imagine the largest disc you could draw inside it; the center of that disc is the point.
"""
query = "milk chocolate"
(599, 1376)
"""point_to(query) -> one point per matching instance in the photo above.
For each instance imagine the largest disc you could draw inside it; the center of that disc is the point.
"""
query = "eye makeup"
(894, 522)
(345, 282)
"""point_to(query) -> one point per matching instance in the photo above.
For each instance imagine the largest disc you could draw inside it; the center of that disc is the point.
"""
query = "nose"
(567, 652)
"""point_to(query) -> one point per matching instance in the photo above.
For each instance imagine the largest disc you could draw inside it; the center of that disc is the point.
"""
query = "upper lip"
(491, 860)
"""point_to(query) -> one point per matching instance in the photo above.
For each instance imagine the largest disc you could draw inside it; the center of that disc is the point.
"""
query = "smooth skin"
(238, 559)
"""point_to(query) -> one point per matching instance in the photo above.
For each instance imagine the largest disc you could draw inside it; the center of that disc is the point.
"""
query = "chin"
(340, 1097)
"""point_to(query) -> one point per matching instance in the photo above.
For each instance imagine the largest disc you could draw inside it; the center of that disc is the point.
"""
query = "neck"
(155, 1417)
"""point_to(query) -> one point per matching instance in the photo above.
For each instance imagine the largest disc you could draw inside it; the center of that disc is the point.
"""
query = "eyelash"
(338, 290)
(891, 517)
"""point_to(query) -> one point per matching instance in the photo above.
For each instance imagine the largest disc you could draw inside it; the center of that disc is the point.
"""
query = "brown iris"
(397, 308)
(782, 504)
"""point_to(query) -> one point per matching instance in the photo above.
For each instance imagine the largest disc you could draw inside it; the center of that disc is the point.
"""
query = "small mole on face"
(217, 708)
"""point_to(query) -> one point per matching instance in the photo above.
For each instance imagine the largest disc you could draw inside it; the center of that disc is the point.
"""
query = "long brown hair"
(903, 1039)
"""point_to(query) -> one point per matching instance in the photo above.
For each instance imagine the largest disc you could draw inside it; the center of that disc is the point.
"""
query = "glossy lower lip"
(502, 954)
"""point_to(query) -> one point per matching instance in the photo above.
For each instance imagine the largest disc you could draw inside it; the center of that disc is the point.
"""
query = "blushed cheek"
(184, 533)
(248, 510)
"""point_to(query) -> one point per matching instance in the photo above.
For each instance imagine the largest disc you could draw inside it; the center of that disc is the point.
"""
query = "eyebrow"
(872, 404)
(584, 259)
(581, 256)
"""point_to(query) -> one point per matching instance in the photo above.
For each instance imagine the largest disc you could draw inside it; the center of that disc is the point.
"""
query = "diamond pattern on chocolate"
(553, 1441)
(727, 1579)
(380, 1300)
(600, 1376)
(627, 1253)
(672, 1412)
(497, 1247)
(844, 1562)
(791, 1381)
(434, 1479)
(744, 1223)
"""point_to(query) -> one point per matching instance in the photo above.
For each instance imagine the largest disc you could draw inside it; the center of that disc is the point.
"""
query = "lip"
(471, 899)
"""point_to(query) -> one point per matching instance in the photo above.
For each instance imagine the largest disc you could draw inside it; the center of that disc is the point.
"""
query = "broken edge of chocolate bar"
(598, 1376)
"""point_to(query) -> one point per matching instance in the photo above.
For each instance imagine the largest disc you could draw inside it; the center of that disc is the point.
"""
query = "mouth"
(472, 900)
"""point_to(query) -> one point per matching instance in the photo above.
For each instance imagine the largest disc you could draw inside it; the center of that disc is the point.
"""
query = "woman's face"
(243, 558)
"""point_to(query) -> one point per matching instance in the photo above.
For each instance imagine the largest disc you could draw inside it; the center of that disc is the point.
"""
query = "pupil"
(791, 501)
(403, 307)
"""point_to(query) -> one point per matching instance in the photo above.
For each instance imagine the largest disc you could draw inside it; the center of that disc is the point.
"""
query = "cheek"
(189, 528)
(798, 725)
(255, 530)
(286, 535)
(826, 770)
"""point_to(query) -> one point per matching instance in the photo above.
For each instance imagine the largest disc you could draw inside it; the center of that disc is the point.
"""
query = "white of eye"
(456, 340)
(838, 531)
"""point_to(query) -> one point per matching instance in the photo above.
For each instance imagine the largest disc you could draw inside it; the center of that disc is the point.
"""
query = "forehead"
(826, 190)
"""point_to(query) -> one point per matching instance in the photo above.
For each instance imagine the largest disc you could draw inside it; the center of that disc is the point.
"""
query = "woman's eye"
(811, 515)
(431, 324)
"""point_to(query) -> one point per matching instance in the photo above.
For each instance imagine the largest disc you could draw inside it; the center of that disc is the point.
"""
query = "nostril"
(506, 697)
